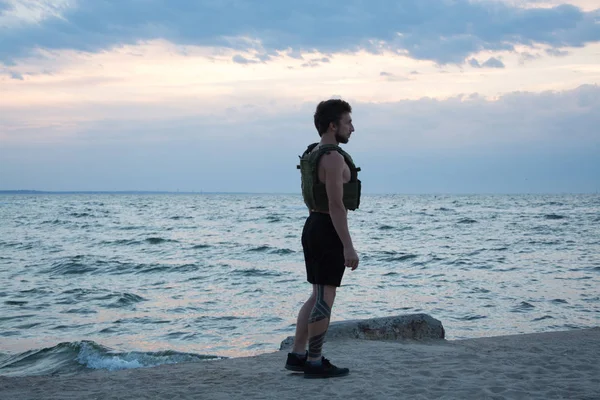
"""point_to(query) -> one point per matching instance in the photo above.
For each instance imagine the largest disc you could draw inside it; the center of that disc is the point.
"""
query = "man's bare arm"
(333, 164)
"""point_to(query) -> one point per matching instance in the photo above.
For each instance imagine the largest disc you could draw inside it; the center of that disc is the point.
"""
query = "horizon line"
(33, 191)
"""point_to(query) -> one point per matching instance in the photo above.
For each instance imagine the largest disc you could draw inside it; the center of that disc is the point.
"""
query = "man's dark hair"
(330, 111)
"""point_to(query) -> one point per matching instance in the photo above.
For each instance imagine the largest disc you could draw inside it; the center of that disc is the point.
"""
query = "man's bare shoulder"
(332, 160)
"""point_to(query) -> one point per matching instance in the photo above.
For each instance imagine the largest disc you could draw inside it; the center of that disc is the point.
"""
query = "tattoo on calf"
(315, 344)
(321, 310)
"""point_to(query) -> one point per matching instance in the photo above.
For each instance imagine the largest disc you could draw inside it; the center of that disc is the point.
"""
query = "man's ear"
(333, 126)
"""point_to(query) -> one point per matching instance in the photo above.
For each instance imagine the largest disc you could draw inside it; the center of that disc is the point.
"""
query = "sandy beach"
(553, 365)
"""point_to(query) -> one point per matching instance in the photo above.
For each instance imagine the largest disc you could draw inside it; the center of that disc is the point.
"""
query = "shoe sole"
(324, 376)
(294, 368)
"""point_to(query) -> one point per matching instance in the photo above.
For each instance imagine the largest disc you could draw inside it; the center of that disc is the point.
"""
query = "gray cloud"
(239, 59)
(491, 62)
(526, 56)
(392, 77)
(557, 52)
(438, 30)
(315, 62)
(16, 75)
(466, 122)
(462, 144)
(474, 63)
(5, 6)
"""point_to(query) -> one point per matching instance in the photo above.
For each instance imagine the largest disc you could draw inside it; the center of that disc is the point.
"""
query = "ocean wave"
(71, 266)
(500, 249)
(159, 240)
(124, 300)
(282, 252)
(17, 317)
(142, 320)
(36, 291)
(259, 249)
(54, 222)
(107, 298)
(80, 215)
(393, 256)
(255, 272)
(523, 306)
(70, 358)
(270, 250)
(79, 265)
(19, 245)
(131, 228)
(15, 302)
(83, 311)
(471, 317)
(554, 216)
(201, 246)
(121, 242)
(543, 318)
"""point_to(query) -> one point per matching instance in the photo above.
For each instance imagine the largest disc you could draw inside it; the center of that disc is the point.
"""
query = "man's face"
(344, 129)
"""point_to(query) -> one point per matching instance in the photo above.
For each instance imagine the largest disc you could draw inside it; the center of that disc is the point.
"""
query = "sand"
(553, 365)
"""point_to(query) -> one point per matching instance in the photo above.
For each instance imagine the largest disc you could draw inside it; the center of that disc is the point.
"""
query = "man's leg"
(302, 323)
(318, 321)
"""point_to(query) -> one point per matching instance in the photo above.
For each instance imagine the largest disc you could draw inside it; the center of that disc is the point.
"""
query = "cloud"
(15, 13)
(526, 56)
(557, 52)
(239, 59)
(492, 62)
(438, 30)
(470, 122)
(474, 63)
(514, 119)
(392, 77)
(315, 62)
(5, 6)
(466, 143)
(16, 75)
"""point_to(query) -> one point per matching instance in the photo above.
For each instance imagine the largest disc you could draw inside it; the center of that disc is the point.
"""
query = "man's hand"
(350, 258)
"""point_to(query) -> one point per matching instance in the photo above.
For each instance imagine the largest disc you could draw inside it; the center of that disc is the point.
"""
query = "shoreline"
(549, 365)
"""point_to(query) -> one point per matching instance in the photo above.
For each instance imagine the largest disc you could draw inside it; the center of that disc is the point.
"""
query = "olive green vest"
(313, 191)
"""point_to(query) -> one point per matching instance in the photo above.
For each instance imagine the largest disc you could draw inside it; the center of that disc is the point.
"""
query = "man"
(330, 187)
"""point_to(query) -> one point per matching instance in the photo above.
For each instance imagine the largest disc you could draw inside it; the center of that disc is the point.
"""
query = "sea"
(113, 281)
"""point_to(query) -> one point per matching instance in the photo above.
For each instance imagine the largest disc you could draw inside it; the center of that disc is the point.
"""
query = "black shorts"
(323, 251)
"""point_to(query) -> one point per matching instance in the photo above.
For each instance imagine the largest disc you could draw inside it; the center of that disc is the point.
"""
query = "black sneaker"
(295, 362)
(325, 370)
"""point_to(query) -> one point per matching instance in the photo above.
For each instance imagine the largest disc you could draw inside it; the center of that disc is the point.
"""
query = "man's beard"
(339, 138)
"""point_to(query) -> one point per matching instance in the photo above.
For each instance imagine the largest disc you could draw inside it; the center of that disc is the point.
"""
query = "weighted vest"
(313, 191)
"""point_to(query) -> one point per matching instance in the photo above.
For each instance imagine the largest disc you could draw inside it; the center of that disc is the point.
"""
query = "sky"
(448, 96)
